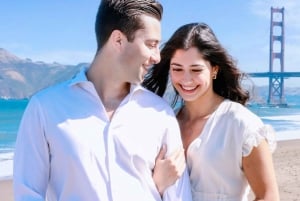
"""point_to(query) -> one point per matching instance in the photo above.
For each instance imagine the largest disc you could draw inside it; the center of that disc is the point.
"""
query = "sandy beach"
(287, 167)
(6, 191)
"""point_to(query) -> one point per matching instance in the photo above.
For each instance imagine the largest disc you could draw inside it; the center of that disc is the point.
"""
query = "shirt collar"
(134, 90)
(80, 77)
(136, 87)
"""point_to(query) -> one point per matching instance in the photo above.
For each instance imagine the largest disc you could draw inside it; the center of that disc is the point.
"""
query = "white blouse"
(214, 159)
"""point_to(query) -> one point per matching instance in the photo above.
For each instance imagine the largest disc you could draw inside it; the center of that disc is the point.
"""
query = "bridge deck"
(275, 74)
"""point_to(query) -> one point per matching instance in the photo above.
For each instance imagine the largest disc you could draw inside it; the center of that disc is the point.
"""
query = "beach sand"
(6, 191)
(286, 162)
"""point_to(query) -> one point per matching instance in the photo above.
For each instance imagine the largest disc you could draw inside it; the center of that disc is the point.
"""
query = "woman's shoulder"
(250, 126)
(239, 113)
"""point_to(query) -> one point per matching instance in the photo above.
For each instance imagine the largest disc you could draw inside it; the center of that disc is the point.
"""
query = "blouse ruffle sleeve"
(254, 138)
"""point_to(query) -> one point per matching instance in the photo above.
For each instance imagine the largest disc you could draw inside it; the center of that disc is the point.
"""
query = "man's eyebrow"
(153, 41)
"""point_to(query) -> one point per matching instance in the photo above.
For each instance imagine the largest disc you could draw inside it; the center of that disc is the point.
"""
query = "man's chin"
(136, 82)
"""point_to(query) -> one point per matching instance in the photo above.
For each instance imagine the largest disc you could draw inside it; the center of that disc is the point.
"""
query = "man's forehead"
(151, 28)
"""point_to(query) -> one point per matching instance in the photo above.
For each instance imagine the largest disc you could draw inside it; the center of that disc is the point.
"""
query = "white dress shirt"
(67, 149)
(214, 159)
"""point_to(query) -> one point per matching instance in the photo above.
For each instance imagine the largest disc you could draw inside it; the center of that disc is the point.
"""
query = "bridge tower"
(276, 82)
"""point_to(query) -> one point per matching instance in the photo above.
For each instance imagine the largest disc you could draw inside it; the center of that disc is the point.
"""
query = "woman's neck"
(201, 108)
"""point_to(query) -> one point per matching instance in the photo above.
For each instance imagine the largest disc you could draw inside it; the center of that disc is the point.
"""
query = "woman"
(227, 147)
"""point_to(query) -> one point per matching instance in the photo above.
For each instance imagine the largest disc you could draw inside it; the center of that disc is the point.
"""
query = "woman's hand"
(168, 169)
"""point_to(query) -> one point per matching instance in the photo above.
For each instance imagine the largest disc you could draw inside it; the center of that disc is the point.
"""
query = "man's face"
(140, 54)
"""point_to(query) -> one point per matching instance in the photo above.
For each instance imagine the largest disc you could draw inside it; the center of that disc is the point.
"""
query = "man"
(96, 136)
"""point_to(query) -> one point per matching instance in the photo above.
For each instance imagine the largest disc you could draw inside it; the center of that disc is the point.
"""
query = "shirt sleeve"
(181, 190)
(253, 138)
(31, 158)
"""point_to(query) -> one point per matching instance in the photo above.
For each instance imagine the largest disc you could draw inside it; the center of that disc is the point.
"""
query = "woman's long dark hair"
(201, 36)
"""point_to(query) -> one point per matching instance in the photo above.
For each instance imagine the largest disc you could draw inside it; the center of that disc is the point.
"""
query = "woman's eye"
(176, 69)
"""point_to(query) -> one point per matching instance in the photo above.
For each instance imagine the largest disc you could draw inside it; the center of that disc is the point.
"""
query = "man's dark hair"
(123, 15)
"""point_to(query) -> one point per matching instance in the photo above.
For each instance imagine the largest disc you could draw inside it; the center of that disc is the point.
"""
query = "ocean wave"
(6, 165)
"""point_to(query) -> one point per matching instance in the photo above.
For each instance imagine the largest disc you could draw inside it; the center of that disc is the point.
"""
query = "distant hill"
(259, 94)
(20, 78)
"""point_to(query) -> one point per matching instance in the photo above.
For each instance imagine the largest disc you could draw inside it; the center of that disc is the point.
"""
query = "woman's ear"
(215, 69)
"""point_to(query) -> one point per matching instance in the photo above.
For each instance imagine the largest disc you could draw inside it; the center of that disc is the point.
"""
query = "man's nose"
(155, 58)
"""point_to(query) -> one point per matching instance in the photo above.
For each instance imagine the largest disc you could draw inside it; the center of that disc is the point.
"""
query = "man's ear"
(117, 39)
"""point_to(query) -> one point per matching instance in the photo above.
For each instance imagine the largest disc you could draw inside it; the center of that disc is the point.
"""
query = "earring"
(214, 76)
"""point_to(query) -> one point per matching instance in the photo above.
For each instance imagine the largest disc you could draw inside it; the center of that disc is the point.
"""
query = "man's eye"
(152, 45)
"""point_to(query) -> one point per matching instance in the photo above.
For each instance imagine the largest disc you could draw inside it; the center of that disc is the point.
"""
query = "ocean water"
(11, 112)
(281, 118)
(285, 121)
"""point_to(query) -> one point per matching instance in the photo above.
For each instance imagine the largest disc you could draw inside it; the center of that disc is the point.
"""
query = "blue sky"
(63, 31)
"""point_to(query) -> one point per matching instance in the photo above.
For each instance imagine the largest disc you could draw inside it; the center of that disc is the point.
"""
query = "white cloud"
(291, 7)
(291, 10)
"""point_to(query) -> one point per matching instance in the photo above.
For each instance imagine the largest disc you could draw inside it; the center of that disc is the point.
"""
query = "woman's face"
(190, 74)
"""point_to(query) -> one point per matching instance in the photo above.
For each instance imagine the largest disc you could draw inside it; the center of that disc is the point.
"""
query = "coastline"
(287, 167)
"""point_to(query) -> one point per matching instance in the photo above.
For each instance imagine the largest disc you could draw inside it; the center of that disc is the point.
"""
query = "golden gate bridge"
(276, 76)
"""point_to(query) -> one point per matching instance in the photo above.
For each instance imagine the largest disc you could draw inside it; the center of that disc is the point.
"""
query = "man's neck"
(110, 89)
